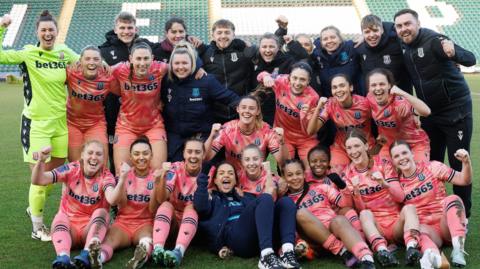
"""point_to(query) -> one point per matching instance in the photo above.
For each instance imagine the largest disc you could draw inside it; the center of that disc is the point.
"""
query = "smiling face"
(403, 159)
(223, 37)
(306, 43)
(330, 40)
(252, 163)
(380, 88)
(372, 35)
(181, 65)
(299, 79)
(342, 90)
(294, 176)
(141, 59)
(319, 163)
(92, 158)
(47, 34)
(176, 33)
(193, 156)
(248, 111)
(357, 151)
(91, 61)
(407, 27)
(125, 31)
(268, 49)
(140, 156)
(225, 178)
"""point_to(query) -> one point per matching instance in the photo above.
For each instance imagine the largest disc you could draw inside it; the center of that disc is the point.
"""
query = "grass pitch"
(18, 250)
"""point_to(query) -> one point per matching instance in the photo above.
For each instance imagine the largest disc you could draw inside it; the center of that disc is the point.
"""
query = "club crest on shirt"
(312, 193)
(387, 59)
(420, 52)
(343, 57)
(170, 174)
(169, 95)
(299, 105)
(386, 113)
(112, 52)
(100, 86)
(357, 115)
(257, 141)
(151, 77)
(61, 55)
(337, 115)
(79, 81)
(95, 187)
(364, 57)
(234, 56)
(195, 92)
(421, 177)
(150, 185)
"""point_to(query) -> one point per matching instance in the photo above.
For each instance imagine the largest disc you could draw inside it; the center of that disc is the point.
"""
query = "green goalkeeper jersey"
(44, 74)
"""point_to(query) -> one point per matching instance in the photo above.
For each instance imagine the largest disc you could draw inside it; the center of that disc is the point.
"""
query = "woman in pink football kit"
(140, 112)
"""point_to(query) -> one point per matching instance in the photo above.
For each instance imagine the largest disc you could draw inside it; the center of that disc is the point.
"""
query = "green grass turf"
(17, 250)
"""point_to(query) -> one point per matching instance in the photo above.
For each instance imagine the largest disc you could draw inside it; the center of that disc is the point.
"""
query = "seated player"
(135, 196)
(424, 187)
(87, 195)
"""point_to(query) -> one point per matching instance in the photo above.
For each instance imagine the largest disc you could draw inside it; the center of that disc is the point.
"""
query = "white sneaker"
(458, 257)
(42, 234)
(430, 260)
(94, 251)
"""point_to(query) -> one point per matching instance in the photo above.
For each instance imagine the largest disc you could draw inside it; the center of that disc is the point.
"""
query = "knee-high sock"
(427, 243)
(360, 250)
(97, 226)
(161, 225)
(36, 201)
(377, 241)
(187, 230)
(411, 238)
(106, 253)
(455, 212)
(61, 238)
(333, 244)
(353, 218)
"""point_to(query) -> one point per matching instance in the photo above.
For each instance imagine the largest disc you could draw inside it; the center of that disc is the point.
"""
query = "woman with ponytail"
(44, 117)
(140, 111)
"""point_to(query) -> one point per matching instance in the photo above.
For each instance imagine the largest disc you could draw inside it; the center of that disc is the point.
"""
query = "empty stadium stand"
(86, 21)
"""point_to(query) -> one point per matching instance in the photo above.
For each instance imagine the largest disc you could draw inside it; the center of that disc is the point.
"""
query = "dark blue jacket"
(344, 60)
(437, 79)
(387, 54)
(213, 211)
(189, 102)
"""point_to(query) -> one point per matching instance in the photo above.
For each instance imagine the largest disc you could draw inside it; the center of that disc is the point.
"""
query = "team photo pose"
(320, 199)
(44, 116)
(176, 214)
(140, 111)
(293, 97)
(424, 187)
(394, 112)
(83, 215)
(189, 101)
(249, 129)
(244, 223)
(137, 204)
(376, 193)
(347, 111)
(88, 85)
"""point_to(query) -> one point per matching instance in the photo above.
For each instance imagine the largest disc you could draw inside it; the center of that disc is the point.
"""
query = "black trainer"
(386, 258)
(289, 260)
(270, 261)
(412, 256)
(367, 265)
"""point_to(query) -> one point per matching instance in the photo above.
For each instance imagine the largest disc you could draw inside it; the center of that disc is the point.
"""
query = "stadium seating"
(26, 34)
(92, 19)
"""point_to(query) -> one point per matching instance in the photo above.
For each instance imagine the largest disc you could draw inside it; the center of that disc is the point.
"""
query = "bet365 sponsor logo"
(51, 65)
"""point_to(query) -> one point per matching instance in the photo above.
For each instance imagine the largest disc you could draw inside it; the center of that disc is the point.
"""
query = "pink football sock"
(61, 238)
(161, 224)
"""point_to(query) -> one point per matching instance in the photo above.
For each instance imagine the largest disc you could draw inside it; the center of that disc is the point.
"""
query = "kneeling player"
(83, 215)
